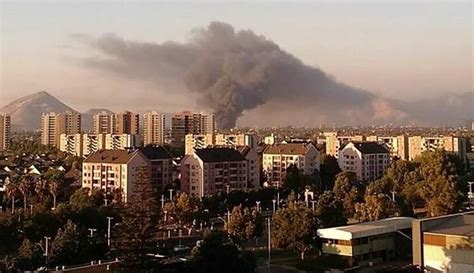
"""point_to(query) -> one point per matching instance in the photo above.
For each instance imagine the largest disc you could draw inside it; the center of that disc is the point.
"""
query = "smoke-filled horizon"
(231, 72)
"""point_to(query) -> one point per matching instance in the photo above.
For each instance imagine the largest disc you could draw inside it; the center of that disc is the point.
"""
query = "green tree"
(183, 209)
(30, 255)
(66, 245)
(329, 170)
(330, 210)
(375, 207)
(136, 235)
(295, 228)
(347, 189)
(244, 225)
(216, 253)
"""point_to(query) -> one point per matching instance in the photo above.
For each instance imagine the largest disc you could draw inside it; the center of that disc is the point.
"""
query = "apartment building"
(398, 145)
(334, 142)
(368, 243)
(193, 141)
(127, 123)
(368, 160)
(104, 123)
(161, 166)
(445, 243)
(85, 144)
(211, 170)
(114, 170)
(453, 144)
(54, 124)
(254, 166)
(187, 122)
(277, 158)
(5, 131)
(154, 128)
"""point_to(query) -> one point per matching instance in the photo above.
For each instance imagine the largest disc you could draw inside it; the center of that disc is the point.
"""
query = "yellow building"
(444, 244)
(154, 131)
(54, 124)
(370, 242)
(5, 130)
(334, 142)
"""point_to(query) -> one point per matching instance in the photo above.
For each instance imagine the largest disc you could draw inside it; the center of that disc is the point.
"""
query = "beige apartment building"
(154, 128)
(334, 142)
(85, 144)
(5, 131)
(114, 170)
(103, 123)
(453, 144)
(55, 124)
(254, 166)
(187, 122)
(398, 145)
(211, 170)
(368, 160)
(445, 243)
(193, 141)
(278, 157)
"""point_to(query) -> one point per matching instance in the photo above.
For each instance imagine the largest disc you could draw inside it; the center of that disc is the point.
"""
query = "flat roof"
(462, 230)
(366, 229)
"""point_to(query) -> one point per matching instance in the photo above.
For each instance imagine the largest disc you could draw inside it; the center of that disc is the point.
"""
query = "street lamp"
(46, 249)
(171, 194)
(274, 205)
(312, 204)
(92, 230)
(470, 194)
(109, 219)
(162, 200)
(258, 205)
(31, 209)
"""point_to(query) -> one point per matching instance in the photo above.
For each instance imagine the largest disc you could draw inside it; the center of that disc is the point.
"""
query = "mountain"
(86, 117)
(26, 111)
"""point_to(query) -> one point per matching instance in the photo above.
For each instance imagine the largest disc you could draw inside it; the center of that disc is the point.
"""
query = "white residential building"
(368, 160)
(277, 158)
(398, 145)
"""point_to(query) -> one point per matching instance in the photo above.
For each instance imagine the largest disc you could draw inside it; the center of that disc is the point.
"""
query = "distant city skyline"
(411, 49)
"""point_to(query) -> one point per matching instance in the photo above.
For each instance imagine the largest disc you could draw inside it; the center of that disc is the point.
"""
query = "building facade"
(114, 171)
(211, 170)
(187, 122)
(161, 166)
(334, 142)
(193, 141)
(368, 160)
(445, 243)
(452, 144)
(398, 145)
(5, 131)
(127, 123)
(85, 144)
(103, 123)
(54, 124)
(154, 128)
(254, 166)
(278, 157)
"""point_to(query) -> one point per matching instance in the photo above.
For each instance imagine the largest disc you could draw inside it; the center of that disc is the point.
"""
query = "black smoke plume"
(231, 72)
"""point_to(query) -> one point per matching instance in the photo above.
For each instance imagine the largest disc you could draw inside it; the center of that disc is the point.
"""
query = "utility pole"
(109, 219)
(269, 242)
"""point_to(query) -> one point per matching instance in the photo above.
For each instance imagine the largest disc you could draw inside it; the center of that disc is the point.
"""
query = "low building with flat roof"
(445, 243)
(369, 242)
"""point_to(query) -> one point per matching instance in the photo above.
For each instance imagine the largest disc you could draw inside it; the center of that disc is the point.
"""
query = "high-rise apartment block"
(277, 158)
(127, 123)
(191, 123)
(55, 124)
(5, 131)
(154, 128)
(103, 123)
(367, 159)
(453, 144)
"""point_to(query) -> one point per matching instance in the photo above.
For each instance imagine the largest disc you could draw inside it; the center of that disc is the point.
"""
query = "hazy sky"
(398, 49)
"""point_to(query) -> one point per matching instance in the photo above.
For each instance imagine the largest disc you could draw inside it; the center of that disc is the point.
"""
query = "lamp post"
(31, 209)
(274, 205)
(393, 196)
(269, 242)
(258, 205)
(470, 194)
(92, 230)
(162, 200)
(171, 194)
(46, 250)
(109, 219)
(312, 204)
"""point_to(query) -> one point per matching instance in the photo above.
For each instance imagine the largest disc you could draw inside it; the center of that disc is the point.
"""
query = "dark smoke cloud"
(231, 72)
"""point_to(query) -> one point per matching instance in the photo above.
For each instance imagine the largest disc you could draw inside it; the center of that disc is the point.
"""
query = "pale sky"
(398, 49)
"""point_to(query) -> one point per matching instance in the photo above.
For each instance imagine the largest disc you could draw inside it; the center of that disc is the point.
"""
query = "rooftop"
(111, 156)
(156, 152)
(462, 230)
(369, 147)
(219, 155)
(288, 149)
(366, 229)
